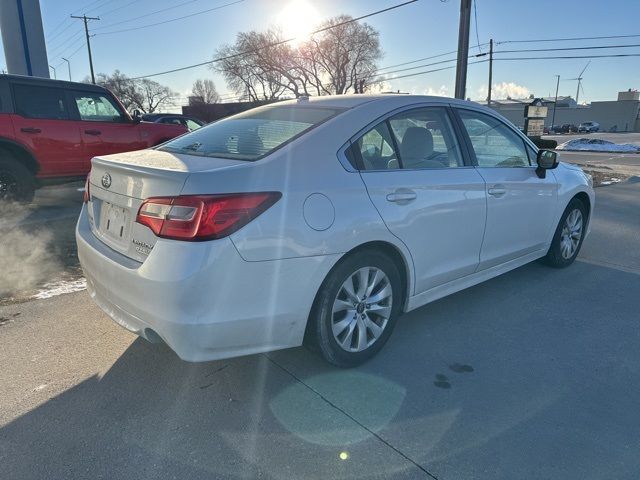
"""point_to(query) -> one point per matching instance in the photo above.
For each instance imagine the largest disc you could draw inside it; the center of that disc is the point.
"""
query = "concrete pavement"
(535, 374)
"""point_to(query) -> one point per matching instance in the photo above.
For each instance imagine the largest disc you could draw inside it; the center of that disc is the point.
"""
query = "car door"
(416, 176)
(42, 123)
(520, 204)
(104, 126)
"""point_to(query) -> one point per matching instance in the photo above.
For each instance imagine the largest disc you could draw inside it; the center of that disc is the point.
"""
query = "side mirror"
(136, 116)
(547, 160)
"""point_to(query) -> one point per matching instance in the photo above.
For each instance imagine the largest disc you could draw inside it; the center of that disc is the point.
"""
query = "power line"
(381, 80)
(569, 48)
(275, 44)
(568, 39)
(572, 57)
(117, 8)
(475, 18)
(172, 19)
(427, 58)
(141, 16)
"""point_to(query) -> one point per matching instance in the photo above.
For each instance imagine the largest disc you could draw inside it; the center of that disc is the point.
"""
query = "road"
(535, 374)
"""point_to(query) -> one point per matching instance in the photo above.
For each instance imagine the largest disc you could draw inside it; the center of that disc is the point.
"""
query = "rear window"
(251, 135)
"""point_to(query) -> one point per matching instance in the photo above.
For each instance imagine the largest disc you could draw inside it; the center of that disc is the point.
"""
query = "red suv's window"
(96, 107)
(40, 102)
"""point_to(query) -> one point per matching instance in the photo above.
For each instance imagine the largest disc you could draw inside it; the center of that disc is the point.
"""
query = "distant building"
(622, 115)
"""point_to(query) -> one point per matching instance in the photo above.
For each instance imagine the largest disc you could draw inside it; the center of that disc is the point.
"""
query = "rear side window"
(253, 134)
(40, 102)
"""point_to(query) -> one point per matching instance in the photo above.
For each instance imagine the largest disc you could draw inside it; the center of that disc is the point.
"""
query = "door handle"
(497, 191)
(30, 130)
(402, 197)
(92, 132)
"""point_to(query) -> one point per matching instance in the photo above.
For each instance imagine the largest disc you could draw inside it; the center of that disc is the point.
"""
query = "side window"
(376, 150)
(425, 139)
(40, 102)
(95, 107)
(494, 144)
(191, 125)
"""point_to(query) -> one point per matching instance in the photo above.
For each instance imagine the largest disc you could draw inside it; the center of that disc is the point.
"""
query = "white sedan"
(320, 220)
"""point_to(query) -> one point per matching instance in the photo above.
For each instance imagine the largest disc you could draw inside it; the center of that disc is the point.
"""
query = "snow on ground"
(598, 145)
(60, 288)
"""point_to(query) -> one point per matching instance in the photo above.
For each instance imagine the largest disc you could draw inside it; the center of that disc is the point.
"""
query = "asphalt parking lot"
(534, 374)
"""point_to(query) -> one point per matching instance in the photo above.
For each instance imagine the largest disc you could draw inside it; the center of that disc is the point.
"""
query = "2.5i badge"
(142, 247)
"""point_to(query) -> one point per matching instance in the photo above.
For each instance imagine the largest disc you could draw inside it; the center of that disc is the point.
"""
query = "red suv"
(51, 129)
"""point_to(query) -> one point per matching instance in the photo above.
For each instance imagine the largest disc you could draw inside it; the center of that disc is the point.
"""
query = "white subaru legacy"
(320, 220)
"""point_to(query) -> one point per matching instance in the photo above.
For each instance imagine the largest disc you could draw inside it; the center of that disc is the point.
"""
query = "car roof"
(351, 101)
(48, 82)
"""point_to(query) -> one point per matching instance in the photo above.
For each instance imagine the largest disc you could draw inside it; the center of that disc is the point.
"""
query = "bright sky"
(421, 29)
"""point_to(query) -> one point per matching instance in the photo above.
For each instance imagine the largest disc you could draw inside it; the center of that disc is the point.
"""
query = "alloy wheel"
(361, 309)
(571, 234)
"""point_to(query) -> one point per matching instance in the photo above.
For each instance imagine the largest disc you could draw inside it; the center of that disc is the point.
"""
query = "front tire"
(16, 181)
(569, 235)
(356, 308)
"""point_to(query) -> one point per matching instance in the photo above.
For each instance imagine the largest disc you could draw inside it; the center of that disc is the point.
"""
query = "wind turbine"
(579, 79)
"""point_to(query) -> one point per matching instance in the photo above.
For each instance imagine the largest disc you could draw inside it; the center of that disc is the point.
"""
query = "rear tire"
(569, 235)
(17, 183)
(356, 309)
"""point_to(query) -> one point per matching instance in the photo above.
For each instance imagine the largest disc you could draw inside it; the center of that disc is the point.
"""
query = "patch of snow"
(60, 288)
(610, 181)
(598, 145)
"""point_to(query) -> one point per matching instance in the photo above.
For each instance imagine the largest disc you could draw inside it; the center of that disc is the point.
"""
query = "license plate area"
(114, 223)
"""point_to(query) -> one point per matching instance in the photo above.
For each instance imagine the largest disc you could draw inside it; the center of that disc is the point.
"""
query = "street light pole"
(553, 117)
(54, 72)
(463, 48)
(68, 66)
(86, 32)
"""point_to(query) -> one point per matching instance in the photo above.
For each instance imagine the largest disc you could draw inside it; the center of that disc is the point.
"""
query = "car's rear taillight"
(203, 217)
(86, 195)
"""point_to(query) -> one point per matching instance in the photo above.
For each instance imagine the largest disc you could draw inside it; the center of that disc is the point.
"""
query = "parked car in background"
(589, 127)
(51, 129)
(321, 220)
(174, 119)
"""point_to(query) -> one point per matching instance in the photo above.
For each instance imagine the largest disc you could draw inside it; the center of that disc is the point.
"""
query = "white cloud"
(504, 90)
(443, 91)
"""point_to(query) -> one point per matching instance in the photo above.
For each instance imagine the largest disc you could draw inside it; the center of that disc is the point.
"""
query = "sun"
(297, 20)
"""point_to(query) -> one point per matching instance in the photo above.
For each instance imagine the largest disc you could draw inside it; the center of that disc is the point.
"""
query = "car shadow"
(518, 376)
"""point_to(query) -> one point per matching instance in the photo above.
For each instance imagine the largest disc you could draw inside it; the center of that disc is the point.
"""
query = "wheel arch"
(21, 153)
(385, 247)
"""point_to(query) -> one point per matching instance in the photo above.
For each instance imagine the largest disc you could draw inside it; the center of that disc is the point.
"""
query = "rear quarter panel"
(306, 171)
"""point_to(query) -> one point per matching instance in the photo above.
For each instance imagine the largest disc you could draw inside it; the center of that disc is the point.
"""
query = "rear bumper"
(202, 298)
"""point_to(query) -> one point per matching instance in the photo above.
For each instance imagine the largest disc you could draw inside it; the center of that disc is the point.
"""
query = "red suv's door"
(105, 128)
(42, 123)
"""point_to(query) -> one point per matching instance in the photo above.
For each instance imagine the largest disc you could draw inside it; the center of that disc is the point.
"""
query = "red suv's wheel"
(16, 181)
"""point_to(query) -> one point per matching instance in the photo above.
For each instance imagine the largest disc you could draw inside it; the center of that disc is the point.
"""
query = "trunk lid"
(120, 183)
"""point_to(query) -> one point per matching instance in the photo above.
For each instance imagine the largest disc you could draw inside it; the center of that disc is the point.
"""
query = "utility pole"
(555, 102)
(68, 66)
(463, 48)
(86, 32)
(490, 71)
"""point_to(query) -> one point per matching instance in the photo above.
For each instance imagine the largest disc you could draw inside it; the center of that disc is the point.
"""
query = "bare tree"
(338, 60)
(344, 57)
(206, 90)
(121, 86)
(144, 94)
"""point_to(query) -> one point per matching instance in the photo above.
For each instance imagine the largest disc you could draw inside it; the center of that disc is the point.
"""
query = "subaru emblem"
(106, 180)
